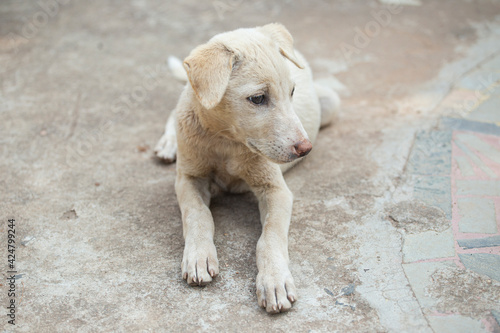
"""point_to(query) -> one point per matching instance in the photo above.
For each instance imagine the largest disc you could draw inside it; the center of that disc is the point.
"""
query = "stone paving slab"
(465, 166)
(483, 263)
(479, 242)
(455, 324)
(435, 191)
(431, 153)
(478, 187)
(469, 125)
(472, 179)
(481, 147)
(477, 215)
(476, 160)
(420, 278)
(428, 245)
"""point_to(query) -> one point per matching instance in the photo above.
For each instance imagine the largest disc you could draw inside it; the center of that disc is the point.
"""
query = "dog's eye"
(257, 100)
(293, 90)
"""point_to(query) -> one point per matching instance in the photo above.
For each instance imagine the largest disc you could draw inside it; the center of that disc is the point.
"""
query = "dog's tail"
(176, 68)
(330, 103)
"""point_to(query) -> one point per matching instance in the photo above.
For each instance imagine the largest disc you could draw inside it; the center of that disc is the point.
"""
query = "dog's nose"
(302, 148)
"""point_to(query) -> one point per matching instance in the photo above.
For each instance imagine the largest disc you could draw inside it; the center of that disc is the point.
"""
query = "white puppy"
(248, 113)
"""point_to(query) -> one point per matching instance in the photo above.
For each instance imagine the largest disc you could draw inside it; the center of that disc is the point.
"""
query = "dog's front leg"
(275, 286)
(199, 263)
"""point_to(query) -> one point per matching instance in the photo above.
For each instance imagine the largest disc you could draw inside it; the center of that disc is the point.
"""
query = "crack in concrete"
(75, 116)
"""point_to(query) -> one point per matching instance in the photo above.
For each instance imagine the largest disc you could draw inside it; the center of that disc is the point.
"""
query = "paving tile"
(434, 191)
(475, 159)
(479, 145)
(477, 215)
(428, 245)
(419, 277)
(479, 242)
(455, 324)
(469, 125)
(431, 153)
(478, 187)
(465, 166)
(482, 263)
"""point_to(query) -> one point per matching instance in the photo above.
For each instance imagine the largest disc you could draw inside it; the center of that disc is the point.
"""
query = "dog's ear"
(209, 68)
(284, 39)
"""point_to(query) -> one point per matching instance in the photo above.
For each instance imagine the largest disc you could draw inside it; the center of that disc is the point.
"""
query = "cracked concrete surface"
(84, 96)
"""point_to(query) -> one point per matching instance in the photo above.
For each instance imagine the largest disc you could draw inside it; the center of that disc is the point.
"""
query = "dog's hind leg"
(166, 148)
(330, 103)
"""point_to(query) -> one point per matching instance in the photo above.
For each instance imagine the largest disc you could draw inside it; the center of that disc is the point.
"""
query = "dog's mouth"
(253, 148)
(279, 160)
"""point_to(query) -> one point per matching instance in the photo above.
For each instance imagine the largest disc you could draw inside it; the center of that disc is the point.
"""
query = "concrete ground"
(396, 222)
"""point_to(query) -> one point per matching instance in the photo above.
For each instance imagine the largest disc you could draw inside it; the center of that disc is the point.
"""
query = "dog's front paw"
(200, 264)
(276, 290)
(166, 148)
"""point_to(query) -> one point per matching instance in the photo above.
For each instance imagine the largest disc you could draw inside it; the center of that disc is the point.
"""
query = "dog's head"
(243, 81)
